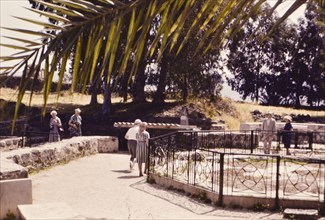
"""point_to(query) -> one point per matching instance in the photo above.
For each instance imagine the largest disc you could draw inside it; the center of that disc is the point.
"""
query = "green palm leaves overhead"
(88, 35)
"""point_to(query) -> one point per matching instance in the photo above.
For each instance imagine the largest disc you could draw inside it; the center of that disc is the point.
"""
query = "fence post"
(278, 135)
(213, 171)
(310, 140)
(296, 139)
(148, 160)
(222, 160)
(277, 183)
(252, 141)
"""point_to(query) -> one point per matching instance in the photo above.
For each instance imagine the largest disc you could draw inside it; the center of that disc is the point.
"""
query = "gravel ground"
(102, 187)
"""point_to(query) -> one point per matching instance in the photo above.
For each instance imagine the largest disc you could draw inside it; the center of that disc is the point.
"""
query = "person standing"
(268, 131)
(286, 138)
(75, 123)
(184, 118)
(142, 145)
(130, 136)
(55, 126)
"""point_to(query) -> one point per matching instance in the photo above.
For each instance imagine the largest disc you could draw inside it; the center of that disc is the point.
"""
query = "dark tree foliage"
(285, 69)
(307, 71)
(251, 62)
(189, 74)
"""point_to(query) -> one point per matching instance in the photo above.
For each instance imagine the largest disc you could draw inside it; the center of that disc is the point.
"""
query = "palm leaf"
(50, 15)
(61, 9)
(28, 42)
(62, 72)
(25, 31)
(104, 20)
(43, 24)
(76, 64)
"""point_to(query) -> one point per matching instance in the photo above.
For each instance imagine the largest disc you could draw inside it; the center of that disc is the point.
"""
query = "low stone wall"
(228, 140)
(10, 143)
(15, 186)
(15, 162)
(318, 130)
(235, 201)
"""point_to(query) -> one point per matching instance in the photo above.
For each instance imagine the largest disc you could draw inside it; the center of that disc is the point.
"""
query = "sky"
(10, 8)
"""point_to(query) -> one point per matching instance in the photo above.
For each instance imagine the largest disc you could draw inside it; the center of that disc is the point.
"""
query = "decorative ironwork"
(301, 178)
(249, 174)
(184, 156)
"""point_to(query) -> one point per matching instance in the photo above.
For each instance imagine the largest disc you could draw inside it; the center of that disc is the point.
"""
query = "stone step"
(48, 211)
(301, 214)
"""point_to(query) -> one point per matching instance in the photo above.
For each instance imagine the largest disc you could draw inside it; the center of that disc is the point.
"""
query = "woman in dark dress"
(287, 133)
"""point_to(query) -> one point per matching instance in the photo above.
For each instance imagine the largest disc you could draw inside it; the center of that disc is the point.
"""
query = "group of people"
(56, 125)
(138, 140)
(138, 137)
(269, 129)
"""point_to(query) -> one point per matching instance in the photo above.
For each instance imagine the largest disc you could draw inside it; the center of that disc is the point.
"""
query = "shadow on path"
(194, 205)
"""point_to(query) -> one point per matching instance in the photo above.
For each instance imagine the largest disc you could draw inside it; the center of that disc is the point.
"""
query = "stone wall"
(227, 139)
(16, 187)
(317, 130)
(14, 163)
(10, 143)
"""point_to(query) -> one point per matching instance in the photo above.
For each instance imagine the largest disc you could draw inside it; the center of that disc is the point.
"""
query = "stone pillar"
(13, 193)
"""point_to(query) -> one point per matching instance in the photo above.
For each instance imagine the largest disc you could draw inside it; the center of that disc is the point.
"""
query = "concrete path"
(102, 187)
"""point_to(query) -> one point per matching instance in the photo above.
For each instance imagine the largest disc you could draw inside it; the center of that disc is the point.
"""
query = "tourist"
(75, 123)
(132, 141)
(268, 131)
(184, 118)
(286, 138)
(142, 144)
(55, 127)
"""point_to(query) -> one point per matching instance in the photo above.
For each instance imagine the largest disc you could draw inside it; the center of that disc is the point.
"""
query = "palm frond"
(94, 34)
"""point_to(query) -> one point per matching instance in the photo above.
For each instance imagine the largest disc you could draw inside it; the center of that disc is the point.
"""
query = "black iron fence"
(219, 165)
(252, 141)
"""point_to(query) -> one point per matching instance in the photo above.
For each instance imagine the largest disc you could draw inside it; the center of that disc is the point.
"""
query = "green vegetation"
(113, 46)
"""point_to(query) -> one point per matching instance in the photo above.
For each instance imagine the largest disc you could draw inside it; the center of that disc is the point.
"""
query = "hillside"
(225, 111)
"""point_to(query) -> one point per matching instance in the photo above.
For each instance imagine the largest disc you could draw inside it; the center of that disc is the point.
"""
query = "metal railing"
(216, 164)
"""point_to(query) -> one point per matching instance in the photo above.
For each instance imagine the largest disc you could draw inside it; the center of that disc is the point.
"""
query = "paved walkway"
(102, 187)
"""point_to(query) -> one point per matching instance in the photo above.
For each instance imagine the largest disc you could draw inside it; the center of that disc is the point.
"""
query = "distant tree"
(307, 70)
(249, 61)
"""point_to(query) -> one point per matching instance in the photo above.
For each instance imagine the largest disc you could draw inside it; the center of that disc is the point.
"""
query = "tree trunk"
(159, 96)
(107, 104)
(297, 104)
(140, 81)
(125, 89)
(93, 92)
(185, 89)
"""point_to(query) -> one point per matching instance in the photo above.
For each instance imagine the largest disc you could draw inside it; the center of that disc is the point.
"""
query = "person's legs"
(267, 143)
(287, 146)
(132, 146)
(140, 169)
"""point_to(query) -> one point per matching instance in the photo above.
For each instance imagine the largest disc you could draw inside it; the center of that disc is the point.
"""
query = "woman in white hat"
(55, 126)
(287, 133)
